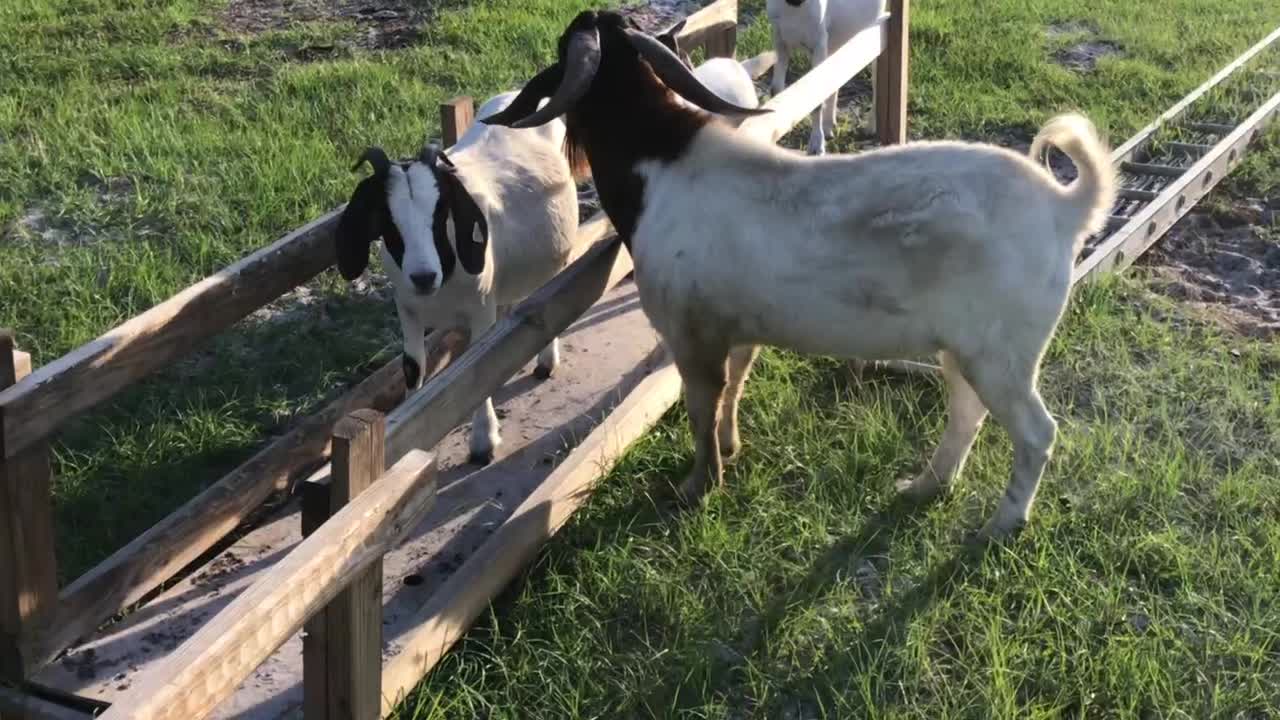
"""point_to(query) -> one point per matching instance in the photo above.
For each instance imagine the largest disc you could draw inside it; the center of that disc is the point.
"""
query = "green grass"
(1146, 585)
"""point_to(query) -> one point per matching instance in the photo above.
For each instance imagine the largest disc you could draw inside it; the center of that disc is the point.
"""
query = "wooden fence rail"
(211, 664)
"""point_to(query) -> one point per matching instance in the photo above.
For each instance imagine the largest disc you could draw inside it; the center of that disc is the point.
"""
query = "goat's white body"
(821, 27)
(522, 182)
(948, 247)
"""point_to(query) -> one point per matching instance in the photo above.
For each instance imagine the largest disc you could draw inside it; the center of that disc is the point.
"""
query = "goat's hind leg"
(740, 361)
(1016, 404)
(702, 368)
(965, 414)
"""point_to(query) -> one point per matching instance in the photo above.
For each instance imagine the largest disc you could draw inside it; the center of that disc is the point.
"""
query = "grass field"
(143, 146)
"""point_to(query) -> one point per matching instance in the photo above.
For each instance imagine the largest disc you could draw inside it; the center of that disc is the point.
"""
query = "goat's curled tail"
(1093, 193)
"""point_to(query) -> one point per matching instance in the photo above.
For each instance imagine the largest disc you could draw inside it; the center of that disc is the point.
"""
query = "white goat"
(725, 76)
(502, 204)
(944, 247)
(821, 27)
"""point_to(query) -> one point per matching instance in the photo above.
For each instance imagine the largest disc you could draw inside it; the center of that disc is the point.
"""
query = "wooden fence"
(331, 582)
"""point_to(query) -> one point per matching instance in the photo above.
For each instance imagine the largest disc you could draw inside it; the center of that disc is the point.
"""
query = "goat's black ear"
(469, 224)
(668, 38)
(359, 225)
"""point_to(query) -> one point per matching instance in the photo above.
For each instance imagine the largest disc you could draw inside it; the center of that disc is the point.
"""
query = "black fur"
(411, 371)
(368, 217)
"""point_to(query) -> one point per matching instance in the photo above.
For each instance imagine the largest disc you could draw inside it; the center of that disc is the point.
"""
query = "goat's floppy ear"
(359, 225)
(469, 224)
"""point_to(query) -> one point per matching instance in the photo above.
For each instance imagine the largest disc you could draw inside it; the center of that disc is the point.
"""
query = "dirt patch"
(1081, 56)
(659, 14)
(381, 24)
(1226, 265)
(42, 224)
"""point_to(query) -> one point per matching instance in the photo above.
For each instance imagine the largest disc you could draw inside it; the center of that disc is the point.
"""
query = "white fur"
(942, 247)
(522, 182)
(821, 27)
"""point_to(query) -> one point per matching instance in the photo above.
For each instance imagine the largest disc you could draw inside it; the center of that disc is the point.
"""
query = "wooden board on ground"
(603, 356)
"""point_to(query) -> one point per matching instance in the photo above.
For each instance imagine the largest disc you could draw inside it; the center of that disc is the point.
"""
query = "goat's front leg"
(485, 432)
(817, 138)
(740, 360)
(780, 63)
(702, 368)
(548, 360)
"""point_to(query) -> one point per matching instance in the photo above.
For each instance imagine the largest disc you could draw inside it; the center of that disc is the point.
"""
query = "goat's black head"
(601, 38)
(424, 214)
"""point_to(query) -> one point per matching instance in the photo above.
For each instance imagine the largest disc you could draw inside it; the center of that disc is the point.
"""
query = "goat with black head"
(960, 249)
(464, 236)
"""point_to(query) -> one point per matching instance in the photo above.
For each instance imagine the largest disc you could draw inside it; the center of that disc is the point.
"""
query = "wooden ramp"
(604, 355)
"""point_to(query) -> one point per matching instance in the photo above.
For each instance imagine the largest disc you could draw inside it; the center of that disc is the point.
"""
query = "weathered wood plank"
(347, 665)
(17, 705)
(211, 664)
(456, 116)
(28, 565)
(445, 401)
(484, 574)
(891, 76)
(171, 544)
(96, 371)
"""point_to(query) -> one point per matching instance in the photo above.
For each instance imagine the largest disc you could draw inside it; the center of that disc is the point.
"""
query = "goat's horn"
(376, 157)
(677, 76)
(540, 86)
(581, 61)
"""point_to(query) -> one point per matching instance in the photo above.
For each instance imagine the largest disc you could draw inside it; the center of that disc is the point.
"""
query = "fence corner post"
(890, 77)
(721, 42)
(28, 564)
(456, 115)
(342, 647)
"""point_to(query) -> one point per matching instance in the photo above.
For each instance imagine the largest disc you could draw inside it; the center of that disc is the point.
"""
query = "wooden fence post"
(721, 42)
(456, 116)
(342, 645)
(28, 566)
(891, 77)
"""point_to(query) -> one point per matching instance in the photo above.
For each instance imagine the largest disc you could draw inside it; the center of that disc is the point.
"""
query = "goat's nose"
(425, 282)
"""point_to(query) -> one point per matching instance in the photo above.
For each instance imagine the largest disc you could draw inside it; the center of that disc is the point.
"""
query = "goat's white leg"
(485, 431)
(740, 360)
(780, 63)
(548, 360)
(702, 368)
(965, 414)
(1015, 403)
(413, 329)
(817, 138)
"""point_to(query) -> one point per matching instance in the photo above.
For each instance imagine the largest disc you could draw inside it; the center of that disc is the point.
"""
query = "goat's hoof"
(691, 491)
(543, 373)
(998, 529)
(919, 489)
(481, 457)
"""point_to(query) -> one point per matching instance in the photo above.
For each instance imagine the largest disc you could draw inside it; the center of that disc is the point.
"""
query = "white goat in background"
(821, 26)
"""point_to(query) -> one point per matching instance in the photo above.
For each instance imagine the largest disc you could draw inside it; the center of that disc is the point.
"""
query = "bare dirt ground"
(381, 23)
(1226, 265)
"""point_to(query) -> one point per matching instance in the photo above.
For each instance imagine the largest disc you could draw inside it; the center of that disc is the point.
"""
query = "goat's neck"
(622, 124)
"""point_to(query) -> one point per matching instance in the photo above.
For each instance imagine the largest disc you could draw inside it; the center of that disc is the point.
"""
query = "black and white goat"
(956, 248)
(502, 205)
(821, 27)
